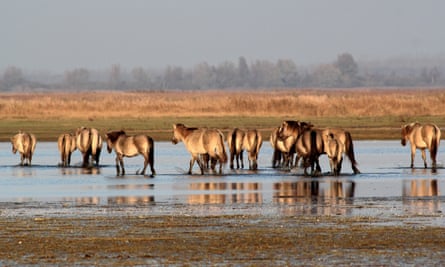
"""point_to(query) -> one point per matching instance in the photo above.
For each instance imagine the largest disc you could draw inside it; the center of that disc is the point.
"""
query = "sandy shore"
(117, 236)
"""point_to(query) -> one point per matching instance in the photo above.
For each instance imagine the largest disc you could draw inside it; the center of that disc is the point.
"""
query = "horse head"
(406, 130)
(111, 138)
(177, 132)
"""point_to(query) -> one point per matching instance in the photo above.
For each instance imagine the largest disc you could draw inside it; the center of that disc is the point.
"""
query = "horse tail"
(259, 142)
(435, 142)
(222, 150)
(349, 147)
(94, 139)
(313, 148)
(232, 145)
(65, 147)
(151, 153)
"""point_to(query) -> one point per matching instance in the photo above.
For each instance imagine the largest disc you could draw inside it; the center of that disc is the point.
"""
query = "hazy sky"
(57, 35)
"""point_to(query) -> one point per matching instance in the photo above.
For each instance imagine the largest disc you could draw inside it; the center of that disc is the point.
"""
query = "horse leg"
(232, 157)
(433, 159)
(117, 165)
(413, 154)
(241, 159)
(86, 158)
(424, 157)
(121, 160)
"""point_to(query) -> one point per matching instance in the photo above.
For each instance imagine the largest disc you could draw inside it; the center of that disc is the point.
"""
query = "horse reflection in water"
(319, 198)
(80, 171)
(420, 195)
(422, 137)
(225, 193)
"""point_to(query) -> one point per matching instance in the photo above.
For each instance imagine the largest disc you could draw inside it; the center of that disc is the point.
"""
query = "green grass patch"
(160, 128)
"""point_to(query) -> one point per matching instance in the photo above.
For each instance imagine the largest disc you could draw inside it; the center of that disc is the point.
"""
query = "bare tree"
(12, 77)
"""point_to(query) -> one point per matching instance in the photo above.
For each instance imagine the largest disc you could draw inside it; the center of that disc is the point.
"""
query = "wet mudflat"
(387, 215)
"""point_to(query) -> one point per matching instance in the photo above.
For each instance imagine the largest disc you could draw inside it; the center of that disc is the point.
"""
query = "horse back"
(252, 141)
(235, 140)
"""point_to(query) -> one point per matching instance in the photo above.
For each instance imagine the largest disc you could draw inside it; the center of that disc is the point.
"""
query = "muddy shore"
(119, 237)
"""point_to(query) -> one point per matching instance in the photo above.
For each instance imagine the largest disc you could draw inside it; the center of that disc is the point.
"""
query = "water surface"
(386, 184)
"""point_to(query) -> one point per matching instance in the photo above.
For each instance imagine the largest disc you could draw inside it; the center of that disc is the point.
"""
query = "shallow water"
(385, 186)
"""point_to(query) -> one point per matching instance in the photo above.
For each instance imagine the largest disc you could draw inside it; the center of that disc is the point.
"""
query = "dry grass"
(289, 103)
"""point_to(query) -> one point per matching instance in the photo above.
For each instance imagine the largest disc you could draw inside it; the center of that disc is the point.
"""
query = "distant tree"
(141, 78)
(12, 77)
(288, 72)
(348, 69)
(203, 76)
(173, 77)
(430, 75)
(226, 75)
(327, 75)
(78, 78)
(115, 79)
(243, 72)
(264, 74)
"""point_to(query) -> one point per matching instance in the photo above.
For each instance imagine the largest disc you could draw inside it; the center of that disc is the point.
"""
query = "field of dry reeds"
(345, 106)
(289, 103)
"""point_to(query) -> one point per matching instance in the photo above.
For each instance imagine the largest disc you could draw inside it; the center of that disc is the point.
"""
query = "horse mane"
(181, 125)
(114, 135)
(408, 128)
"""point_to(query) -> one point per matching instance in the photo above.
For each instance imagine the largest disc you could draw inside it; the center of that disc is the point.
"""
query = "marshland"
(388, 214)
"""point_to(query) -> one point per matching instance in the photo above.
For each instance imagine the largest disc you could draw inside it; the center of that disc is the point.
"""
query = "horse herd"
(292, 141)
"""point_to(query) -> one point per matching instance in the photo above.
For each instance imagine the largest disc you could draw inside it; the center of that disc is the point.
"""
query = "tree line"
(344, 72)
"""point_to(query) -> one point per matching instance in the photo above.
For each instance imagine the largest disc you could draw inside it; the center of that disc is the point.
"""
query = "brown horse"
(89, 143)
(334, 149)
(310, 146)
(422, 137)
(287, 135)
(284, 149)
(25, 144)
(201, 141)
(345, 138)
(130, 146)
(235, 140)
(66, 144)
(252, 144)
(277, 155)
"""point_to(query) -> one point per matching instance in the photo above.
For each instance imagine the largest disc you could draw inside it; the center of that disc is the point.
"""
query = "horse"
(277, 155)
(89, 143)
(130, 146)
(25, 144)
(292, 128)
(310, 146)
(235, 140)
(252, 144)
(344, 137)
(334, 149)
(287, 135)
(200, 141)
(423, 137)
(66, 144)
(284, 148)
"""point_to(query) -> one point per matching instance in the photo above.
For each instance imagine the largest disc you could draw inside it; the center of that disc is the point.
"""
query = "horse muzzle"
(174, 141)
(403, 142)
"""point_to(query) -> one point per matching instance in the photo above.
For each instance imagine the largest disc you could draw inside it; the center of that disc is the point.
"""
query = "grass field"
(367, 113)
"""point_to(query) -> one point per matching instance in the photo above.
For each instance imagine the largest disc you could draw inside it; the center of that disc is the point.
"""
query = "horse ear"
(174, 126)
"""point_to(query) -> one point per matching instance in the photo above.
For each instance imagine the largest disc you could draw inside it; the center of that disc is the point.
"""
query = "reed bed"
(274, 103)
(367, 113)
